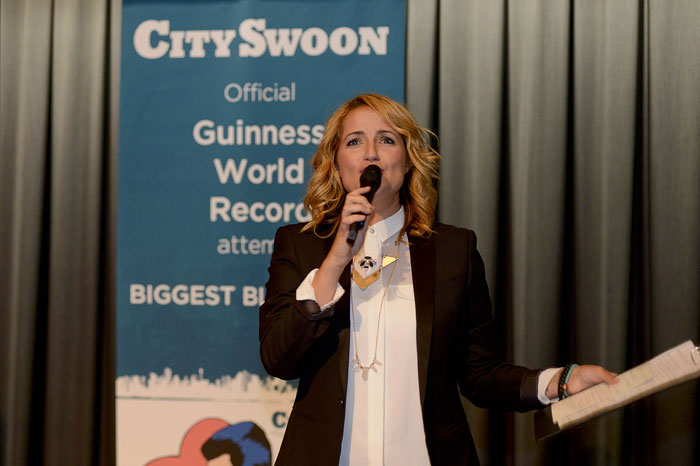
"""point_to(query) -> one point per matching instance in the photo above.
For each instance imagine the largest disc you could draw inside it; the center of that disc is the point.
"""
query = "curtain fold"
(23, 129)
(672, 198)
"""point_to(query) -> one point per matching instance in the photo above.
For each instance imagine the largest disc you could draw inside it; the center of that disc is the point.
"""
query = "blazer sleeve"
(288, 328)
(487, 381)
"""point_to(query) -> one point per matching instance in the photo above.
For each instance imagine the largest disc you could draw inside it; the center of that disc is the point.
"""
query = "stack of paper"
(665, 370)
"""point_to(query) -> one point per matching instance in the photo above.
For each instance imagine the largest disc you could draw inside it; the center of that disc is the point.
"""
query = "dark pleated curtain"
(571, 140)
(57, 136)
(570, 135)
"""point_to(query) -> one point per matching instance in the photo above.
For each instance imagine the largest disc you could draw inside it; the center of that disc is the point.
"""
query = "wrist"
(553, 385)
(333, 265)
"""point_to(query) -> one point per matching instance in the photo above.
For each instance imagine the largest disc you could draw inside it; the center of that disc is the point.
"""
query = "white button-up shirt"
(383, 418)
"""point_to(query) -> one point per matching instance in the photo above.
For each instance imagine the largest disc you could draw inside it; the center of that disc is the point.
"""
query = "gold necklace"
(375, 362)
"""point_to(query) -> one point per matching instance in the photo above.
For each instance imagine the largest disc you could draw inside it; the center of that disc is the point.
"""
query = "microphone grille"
(371, 176)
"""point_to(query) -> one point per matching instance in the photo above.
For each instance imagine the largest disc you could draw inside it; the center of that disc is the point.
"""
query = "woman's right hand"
(355, 209)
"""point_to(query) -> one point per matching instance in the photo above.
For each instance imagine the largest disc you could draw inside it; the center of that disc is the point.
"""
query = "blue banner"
(222, 105)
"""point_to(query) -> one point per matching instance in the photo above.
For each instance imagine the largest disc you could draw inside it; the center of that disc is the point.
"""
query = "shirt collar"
(389, 226)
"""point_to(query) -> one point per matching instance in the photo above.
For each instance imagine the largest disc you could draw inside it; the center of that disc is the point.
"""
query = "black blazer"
(454, 335)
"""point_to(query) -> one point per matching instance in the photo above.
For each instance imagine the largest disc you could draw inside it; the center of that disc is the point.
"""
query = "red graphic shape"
(191, 447)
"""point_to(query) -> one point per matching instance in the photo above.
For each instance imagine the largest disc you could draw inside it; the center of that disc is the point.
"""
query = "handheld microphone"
(371, 176)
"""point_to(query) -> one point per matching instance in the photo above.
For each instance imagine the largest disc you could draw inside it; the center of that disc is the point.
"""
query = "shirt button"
(342, 402)
(371, 230)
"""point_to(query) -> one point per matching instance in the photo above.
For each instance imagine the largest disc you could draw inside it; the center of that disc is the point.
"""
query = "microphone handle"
(357, 226)
(352, 234)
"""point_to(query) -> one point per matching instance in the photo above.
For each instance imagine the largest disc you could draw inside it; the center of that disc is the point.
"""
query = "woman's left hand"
(582, 377)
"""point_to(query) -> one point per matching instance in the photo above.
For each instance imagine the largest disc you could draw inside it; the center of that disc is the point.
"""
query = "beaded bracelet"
(564, 380)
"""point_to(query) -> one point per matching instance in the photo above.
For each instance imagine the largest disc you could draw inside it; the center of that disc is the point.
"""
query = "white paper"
(667, 369)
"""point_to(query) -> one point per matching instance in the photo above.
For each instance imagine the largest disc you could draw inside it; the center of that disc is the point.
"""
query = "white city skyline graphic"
(243, 386)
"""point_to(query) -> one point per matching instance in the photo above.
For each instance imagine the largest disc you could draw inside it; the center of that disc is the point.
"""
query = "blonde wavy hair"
(325, 194)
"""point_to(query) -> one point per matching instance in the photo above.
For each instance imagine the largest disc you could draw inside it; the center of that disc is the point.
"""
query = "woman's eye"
(388, 140)
(353, 142)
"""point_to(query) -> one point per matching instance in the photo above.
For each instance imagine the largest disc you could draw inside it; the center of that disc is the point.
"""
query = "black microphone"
(372, 177)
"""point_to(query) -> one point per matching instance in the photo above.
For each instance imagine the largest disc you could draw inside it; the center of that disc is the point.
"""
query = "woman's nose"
(372, 152)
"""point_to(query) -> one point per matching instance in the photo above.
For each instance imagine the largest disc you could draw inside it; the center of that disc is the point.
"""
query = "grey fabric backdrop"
(58, 117)
(570, 133)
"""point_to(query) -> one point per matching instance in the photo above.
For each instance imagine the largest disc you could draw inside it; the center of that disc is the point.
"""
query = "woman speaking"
(382, 313)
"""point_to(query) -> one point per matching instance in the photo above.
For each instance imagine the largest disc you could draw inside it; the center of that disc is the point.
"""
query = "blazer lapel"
(423, 273)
